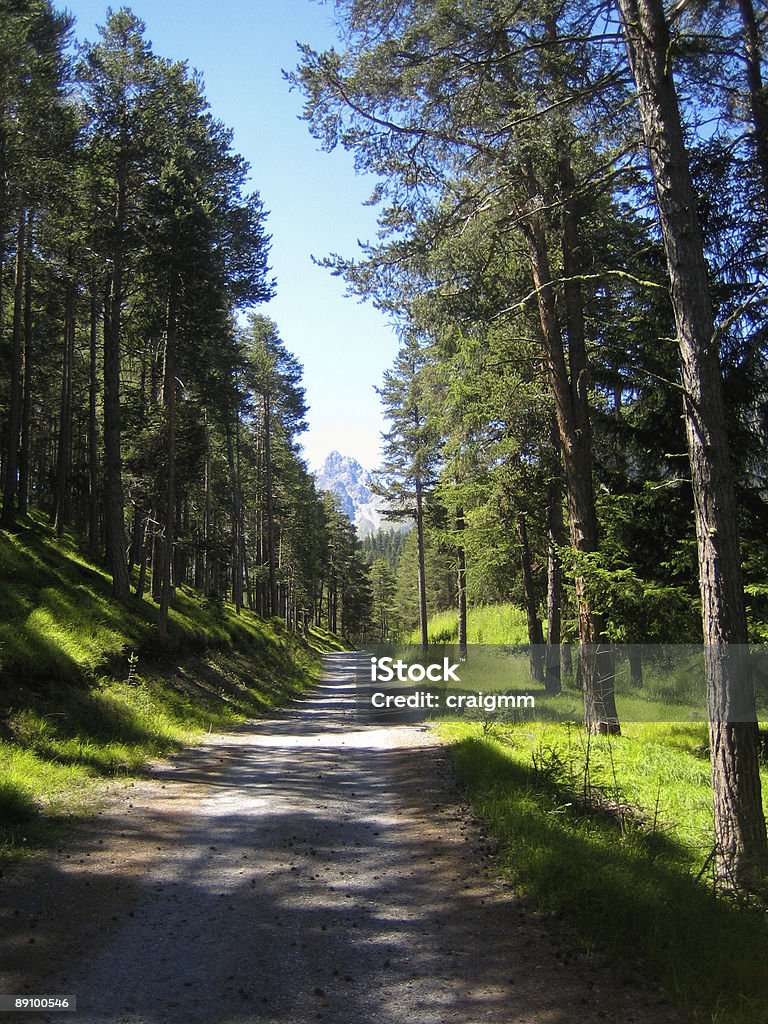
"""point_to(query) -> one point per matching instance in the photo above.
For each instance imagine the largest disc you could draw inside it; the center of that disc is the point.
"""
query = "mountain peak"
(351, 482)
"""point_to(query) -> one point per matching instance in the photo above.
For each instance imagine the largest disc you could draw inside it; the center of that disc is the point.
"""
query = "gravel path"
(304, 868)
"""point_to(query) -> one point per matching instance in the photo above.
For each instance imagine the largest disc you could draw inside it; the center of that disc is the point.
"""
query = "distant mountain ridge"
(345, 477)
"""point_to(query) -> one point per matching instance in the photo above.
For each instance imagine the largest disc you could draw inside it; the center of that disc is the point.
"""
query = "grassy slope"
(612, 834)
(87, 694)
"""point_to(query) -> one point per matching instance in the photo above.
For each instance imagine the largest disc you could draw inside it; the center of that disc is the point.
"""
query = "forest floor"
(306, 867)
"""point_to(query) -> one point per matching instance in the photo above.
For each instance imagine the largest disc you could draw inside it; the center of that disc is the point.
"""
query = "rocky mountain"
(352, 483)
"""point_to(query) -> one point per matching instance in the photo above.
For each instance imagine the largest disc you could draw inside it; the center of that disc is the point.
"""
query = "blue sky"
(314, 198)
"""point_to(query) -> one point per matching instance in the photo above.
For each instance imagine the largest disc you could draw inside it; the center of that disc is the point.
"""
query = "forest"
(572, 202)
(573, 241)
(145, 403)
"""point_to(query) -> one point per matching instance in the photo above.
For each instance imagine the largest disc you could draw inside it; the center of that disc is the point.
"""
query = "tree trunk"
(141, 582)
(25, 454)
(552, 679)
(758, 98)
(596, 663)
(422, 570)
(8, 517)
(208, 513)
(114, 503)
(461, 584)
(93, 432)
(740, 835)
(635, 665)
(236, 522)
(269, 508)
(63, 457)
(535, 634)
(169, 526)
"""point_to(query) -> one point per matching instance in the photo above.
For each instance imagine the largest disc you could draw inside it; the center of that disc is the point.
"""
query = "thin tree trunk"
(246, 570)
(635, 665)
(8, 517)
(555, 537)
(114, 502)
(169, 395)
(235, 539)
(63, 457)
(93, 431)
(596, 661)
(141, 582)
(269, 507)
(25, 455)
(461, 584)
(208, 513)
(535, 634)
(238, 511)
(157, 562)
(137, 536)
(740, 834)
(566, 660)
(422, 581)
(758, 98)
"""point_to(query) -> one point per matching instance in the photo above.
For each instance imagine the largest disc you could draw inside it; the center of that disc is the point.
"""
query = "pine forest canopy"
(573, 238)
(144, 401)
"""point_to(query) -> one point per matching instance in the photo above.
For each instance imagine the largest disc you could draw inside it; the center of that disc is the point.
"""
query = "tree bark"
(63, 456)
(635, 665)
(740, 835)
(114, 502)
(269, 507)
(208, 512)
(25, 454)
(8, 516)
(93, 430)
(552, 674)
(422, 581)
(236, 521)
(461, 584)
(758, 98)
(596, 667)
(169, 526)
(535, 634)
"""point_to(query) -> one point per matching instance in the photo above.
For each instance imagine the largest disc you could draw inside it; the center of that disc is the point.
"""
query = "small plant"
(490, 725)
(133, 664)
(443, 636)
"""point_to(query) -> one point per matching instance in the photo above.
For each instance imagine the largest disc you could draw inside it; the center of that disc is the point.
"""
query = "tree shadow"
(624, 891)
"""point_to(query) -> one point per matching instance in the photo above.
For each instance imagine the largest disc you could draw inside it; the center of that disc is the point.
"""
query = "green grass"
(87, 692)
(612, 833)
(486, 624)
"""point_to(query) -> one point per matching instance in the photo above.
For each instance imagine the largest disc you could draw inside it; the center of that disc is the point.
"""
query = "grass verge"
(612, 833)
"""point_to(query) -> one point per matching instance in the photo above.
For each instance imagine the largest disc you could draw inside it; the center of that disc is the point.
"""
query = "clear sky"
(314, 198)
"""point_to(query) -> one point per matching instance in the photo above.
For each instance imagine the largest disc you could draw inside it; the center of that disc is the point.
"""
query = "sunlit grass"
(615, 833)
(486, 624)
(88, 692)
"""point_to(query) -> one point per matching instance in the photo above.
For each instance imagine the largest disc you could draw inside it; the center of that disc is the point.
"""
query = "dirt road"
(305, 868)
